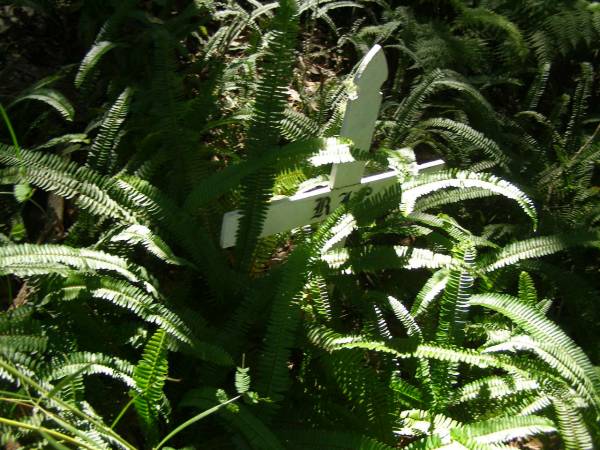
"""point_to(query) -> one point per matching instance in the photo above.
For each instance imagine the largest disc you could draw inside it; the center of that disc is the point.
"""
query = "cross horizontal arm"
(306, 208)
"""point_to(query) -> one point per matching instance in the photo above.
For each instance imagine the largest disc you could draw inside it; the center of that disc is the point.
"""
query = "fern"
(66, 179)
(135, 234)
(527, 291)
(102, 155)
(425, 184)
(430, 290)
(504, 429)
(578, 107)
(28, 259)
(91, 60)
(467, 134)
(124, 295)
(85, 363)
(537, 247)
(51, 97)
(324, 440)
(264, 130)
(538, 87)
(544, 331)
(574, 433)
(150, 375)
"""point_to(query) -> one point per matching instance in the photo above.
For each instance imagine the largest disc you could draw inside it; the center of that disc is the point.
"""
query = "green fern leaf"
(572, 427)
(430, 290)
(91, 60)
(530, 319)
(51, 97)
(469, 135)
(495, 387)
(102, 156)
(149, 376)
(527, 291)
(129, 297)
(327, 440)
(428, 183)
(264, 132)
(537, 247)
(85, 363)
(136, 234)
(242, 380)
(52, 173)
(31, 259)
(505, 429)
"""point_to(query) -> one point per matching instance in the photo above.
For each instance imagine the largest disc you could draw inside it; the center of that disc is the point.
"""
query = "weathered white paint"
(305, 208)
(361, 114)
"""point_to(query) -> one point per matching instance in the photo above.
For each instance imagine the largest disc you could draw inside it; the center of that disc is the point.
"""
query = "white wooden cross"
(346, 178)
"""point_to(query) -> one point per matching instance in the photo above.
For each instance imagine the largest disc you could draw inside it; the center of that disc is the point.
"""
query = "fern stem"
(193, 420)
(13, 137)
(11, 131)
(122, 413)
(39, 429)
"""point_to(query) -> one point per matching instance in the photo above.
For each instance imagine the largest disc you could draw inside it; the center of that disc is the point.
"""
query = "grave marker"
(346, 178)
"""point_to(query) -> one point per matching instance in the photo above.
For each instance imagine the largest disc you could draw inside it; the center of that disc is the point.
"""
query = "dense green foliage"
(456, 310)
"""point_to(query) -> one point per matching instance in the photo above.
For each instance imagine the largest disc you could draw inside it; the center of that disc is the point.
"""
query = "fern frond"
(548, 334)
(91, 191)
(455, 301)
(10, 344)
(51, 97)
(504, 429)
(20, 333)
(538, 86)
(331, 341)
(297, 126)
(131, 298)
(428, 183)
(430, 290)
(409, 110)
(85, 363)
(407, 320)
(364, 388)
(91, 60)
(467, 134)
(572, 427)
(537, 247)
(452, 321)
(527, 291)
(140, 234)
(495, 387)
(373, 258)
(326, 440)
(242, 380)
(74, 138)
(485, 18)
(272, 373)
(551, 355)
(149, 376)
(102, 156)
(31, 259)
(578, 107)
(264, 132)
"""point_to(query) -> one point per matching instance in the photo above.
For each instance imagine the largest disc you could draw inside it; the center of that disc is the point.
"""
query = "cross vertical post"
(361, 114)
